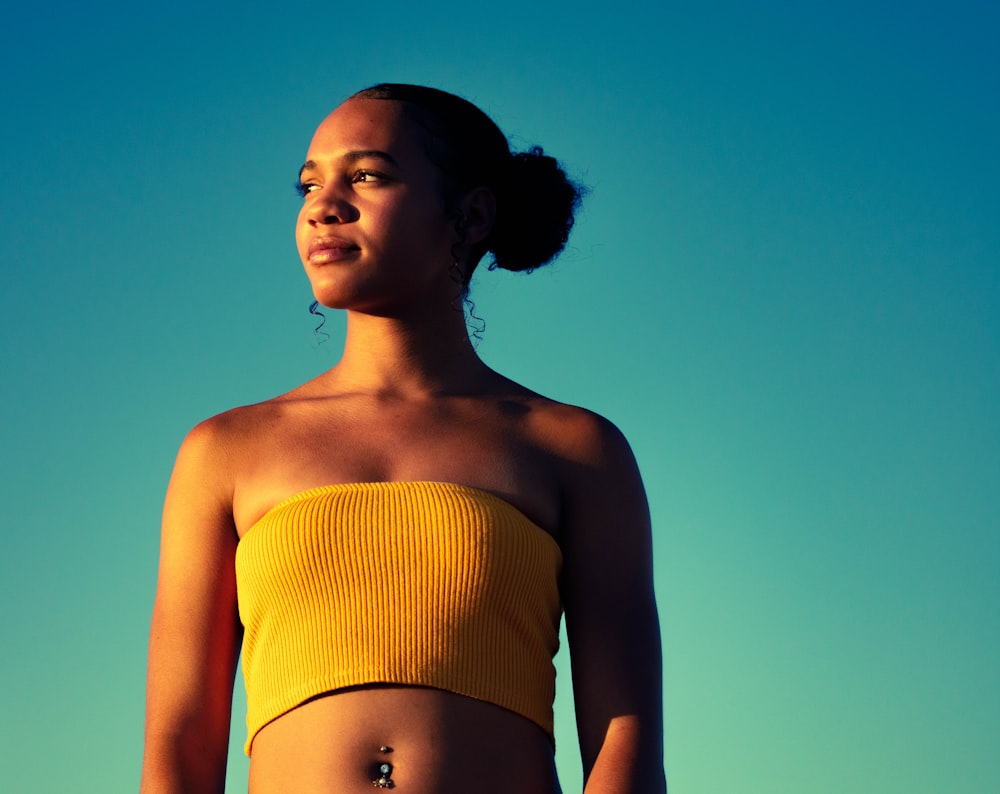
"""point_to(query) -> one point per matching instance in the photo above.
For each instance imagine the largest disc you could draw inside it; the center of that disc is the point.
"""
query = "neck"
(409, 356)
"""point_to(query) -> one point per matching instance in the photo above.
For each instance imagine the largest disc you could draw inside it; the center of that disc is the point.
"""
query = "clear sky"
(784, 288)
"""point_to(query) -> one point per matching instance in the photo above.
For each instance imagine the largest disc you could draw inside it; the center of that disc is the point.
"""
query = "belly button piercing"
(384, 780)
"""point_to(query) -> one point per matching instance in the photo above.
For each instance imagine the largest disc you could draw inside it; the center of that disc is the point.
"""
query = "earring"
(456, 274)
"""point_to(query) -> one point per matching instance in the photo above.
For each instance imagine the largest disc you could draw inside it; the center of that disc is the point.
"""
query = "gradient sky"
(784, 287)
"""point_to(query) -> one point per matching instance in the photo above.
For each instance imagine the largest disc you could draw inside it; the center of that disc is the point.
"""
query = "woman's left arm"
(611, 617)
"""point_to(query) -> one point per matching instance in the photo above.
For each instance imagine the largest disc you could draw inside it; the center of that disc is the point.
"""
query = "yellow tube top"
(429, 584)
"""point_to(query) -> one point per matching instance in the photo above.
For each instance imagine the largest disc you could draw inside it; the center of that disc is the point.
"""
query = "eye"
(365, 175)
(304, 188)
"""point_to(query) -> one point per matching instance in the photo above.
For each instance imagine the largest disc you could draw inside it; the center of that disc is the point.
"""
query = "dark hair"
(535, 200)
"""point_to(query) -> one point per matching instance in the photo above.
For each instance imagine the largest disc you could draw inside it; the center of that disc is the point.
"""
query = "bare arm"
(611, 618)
(195, 635)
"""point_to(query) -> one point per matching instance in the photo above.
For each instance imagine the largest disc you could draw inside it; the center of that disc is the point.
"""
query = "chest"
(490, 447)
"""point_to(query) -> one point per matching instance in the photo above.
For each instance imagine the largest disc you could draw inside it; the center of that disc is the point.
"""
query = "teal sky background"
(784, 288)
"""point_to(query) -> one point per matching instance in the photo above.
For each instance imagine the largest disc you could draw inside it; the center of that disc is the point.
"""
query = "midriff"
(439, 743)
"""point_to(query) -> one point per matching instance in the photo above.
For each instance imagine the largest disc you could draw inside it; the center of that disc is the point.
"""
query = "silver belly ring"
(384, 780)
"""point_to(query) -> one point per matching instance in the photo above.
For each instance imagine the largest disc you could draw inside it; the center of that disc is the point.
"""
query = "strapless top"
(419, 583)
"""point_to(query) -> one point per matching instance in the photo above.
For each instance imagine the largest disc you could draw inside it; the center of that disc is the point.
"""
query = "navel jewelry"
(385, 774)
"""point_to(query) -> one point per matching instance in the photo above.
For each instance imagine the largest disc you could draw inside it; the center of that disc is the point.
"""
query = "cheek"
(301, 227)
(422, 227)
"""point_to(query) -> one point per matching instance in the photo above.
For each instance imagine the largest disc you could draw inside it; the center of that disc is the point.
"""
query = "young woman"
(393, 543)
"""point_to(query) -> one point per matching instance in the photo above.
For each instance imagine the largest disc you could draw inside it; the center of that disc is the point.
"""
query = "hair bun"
(534, 211)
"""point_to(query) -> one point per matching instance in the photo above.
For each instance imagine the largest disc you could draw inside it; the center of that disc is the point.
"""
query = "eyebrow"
(353, 157)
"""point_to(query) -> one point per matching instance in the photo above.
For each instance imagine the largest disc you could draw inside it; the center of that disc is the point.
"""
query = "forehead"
(368, 124)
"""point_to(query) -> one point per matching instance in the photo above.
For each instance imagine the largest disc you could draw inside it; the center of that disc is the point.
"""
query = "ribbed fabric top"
(429, 584)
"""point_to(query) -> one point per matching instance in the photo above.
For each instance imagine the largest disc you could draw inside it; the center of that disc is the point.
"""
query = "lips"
(330, 249)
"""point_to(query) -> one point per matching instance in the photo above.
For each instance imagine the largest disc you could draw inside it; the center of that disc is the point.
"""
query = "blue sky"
(783, 287)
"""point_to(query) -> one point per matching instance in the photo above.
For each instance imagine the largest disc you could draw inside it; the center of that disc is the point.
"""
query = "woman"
(392, 542)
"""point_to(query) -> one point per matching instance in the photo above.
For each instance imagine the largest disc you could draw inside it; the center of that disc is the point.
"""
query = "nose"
(328, 205)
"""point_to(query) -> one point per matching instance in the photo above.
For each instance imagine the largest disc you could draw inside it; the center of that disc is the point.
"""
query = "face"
(373, 233)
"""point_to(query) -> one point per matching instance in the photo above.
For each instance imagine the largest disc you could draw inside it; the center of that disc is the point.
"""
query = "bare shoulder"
(604, 510)
(586, 443)
(214, 452)
(595, 471)
(228, 434)
(609, 600)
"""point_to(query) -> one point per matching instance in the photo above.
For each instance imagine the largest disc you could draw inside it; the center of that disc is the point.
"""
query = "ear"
(477, 210)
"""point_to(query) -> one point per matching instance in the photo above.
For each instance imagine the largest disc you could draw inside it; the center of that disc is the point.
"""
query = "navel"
(384, 770)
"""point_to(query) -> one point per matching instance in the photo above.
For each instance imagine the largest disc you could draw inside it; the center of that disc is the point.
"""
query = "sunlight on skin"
(782, 288)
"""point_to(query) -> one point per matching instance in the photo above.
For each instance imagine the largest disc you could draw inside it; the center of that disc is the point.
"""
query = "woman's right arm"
(196, 634)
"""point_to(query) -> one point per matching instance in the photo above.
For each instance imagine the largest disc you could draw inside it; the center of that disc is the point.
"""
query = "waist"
(432, 741)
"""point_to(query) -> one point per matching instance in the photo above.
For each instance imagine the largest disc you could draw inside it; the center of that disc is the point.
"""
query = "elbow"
(182, 765)
(630, 760)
